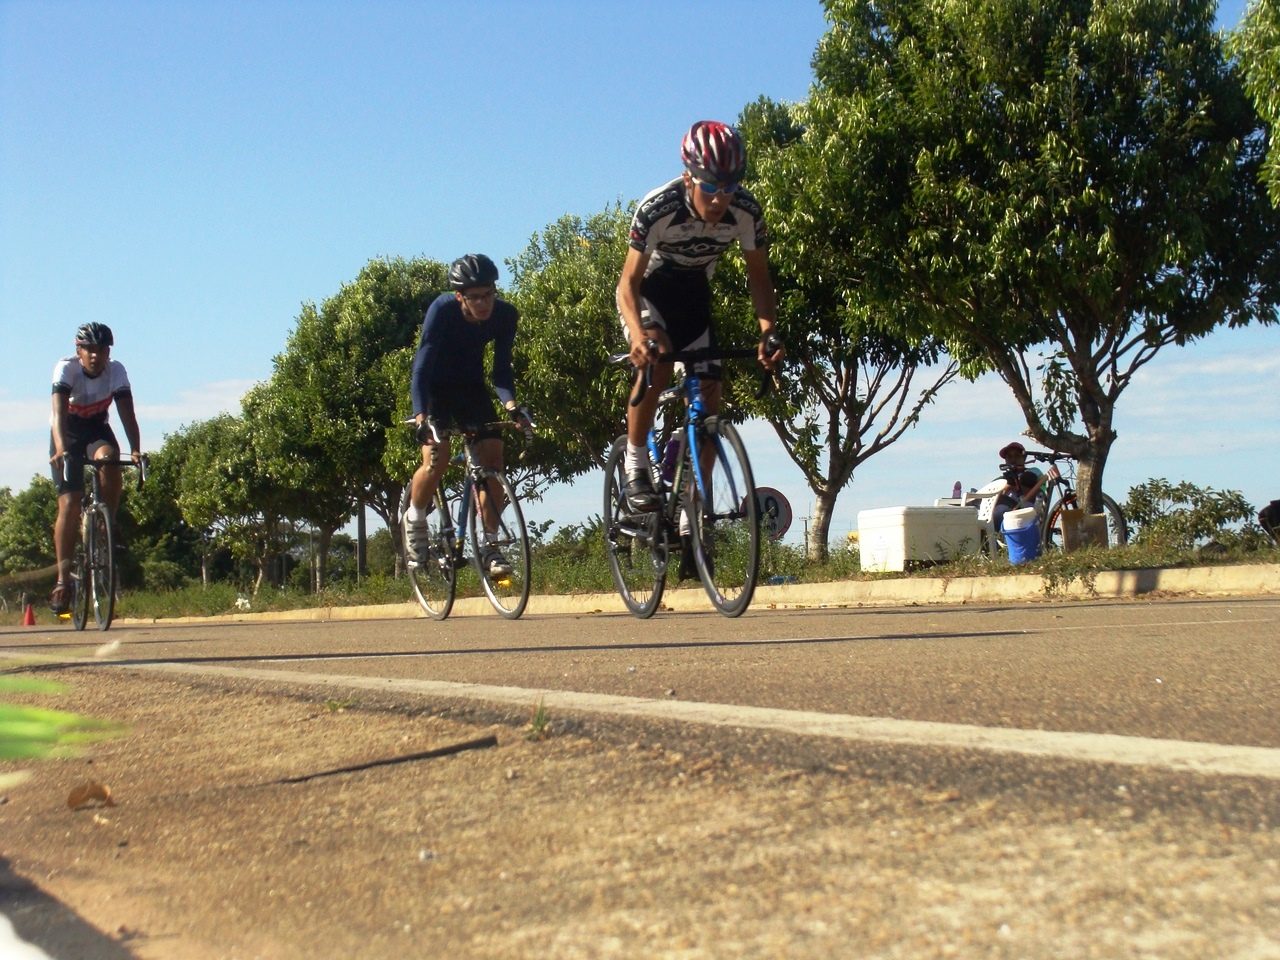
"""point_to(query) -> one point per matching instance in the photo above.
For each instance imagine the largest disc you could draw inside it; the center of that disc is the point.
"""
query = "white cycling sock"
(637, 458)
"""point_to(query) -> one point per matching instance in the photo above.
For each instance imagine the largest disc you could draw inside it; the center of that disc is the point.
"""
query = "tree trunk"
(820, 527)
(320, 570)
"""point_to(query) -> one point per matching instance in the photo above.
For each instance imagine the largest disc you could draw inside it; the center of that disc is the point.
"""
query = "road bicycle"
(714, 493)
(455, 521)
(1055, 498)
(93, 565)
(1060, 497)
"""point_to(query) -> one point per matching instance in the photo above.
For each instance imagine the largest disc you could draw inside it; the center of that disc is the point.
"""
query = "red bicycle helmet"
(713, 151)
(1012, 449)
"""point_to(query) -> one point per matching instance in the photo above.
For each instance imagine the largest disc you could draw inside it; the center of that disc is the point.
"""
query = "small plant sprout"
(539, 726)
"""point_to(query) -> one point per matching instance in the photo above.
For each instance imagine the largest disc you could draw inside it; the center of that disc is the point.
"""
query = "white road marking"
(1179, 755)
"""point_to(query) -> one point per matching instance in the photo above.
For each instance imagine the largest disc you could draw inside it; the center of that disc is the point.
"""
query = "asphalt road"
(1164, 712)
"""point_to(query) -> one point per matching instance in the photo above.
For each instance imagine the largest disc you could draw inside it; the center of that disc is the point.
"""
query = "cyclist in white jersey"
(84, 387)
(678, 233)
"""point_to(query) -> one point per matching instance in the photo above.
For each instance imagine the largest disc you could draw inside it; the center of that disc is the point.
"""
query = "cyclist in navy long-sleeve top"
(448, 390)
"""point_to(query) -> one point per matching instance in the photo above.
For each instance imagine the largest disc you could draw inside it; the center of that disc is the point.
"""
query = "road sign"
(775, 512)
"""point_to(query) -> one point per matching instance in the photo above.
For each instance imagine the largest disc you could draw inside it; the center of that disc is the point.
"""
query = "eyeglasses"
(480, 297)
(714, 188)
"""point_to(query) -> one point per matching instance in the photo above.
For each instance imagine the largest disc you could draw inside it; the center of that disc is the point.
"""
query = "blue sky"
(191, 172)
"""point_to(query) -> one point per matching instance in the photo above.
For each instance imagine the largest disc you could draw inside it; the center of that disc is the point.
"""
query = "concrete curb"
(1242, 580)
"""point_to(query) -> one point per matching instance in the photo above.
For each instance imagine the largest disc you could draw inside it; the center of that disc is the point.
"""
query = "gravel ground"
(598, 842)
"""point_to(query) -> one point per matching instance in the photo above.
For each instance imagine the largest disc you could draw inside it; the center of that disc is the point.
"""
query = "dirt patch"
(599, 845)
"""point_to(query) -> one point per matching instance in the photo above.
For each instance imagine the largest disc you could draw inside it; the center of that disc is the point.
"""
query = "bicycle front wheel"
(507, 589)
(725, 519)
(435, 579)
(637, 550)
(1117, 528)
(80, 579)
(102, 565)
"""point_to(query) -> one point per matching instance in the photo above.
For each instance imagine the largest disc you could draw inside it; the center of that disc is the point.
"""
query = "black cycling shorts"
(464, 406)
(84, 438)
(679, 301)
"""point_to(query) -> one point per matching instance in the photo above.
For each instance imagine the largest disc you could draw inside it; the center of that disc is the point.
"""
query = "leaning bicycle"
(1060, 497)
(455, 522)
(93, 565)
(701, 472)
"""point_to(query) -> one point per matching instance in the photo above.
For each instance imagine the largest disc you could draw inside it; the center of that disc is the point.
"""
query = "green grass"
(582, 568)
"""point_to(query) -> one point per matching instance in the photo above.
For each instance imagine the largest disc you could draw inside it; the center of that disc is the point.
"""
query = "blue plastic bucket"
(1023, 543)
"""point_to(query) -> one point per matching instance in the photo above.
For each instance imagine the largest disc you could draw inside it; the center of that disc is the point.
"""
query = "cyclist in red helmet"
(84, 387)
(678, 234)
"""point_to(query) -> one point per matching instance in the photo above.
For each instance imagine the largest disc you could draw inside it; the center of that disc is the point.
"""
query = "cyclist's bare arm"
(129, 420)
(760, 283)
(61, 402)
(629, 307)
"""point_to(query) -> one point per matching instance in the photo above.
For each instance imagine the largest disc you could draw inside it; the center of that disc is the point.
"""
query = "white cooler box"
(891, 537)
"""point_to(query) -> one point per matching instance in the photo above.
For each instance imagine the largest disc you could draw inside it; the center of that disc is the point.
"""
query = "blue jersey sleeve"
(424, 361)
(504, 381)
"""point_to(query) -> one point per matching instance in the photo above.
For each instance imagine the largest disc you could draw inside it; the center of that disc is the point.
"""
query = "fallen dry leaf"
(90, 792)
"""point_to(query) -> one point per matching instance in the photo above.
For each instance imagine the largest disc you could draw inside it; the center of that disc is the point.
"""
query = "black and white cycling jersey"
(89, 398)
(666, 228)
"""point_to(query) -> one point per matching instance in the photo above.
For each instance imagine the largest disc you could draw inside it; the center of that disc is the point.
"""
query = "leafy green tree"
(1058, 189)
(563, 284)
(1256, 44)
(853, 386)
(340, 380)
(26, 527)
(163, 535)
(307, 482)
(229, 490)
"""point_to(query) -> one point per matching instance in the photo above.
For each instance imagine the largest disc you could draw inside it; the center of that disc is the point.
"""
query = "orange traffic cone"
(29, 616)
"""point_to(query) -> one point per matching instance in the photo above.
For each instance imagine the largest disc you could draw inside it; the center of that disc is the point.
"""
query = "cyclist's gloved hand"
(522, 416)
(772, 349)
(429, 430)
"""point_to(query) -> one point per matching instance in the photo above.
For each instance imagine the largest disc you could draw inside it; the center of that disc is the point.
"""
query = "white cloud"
(24, 425)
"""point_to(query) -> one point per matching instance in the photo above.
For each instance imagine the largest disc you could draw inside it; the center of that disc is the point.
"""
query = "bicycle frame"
(93, 570)
(707, 503)
(461, 518)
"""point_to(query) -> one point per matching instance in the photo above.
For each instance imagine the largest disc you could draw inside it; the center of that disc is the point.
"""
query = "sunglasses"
(480, 297)
(714, 188)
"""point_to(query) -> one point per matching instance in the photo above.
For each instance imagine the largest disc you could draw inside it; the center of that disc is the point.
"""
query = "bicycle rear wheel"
(637, 551)
(102, 565)
(435, 580)
(1117, 528)
(509, 592)
(725, 520)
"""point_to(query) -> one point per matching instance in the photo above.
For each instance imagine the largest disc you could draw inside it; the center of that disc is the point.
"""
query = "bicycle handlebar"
(1046, 456)
(430, 427)
(644, 377)
(141, 464)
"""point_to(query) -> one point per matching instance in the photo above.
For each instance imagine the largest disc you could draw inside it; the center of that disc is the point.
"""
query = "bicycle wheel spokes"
(1117, 528)
(637, 552)
(80, 581)
(102, 566)
(508, 592)
(434, 581)
(726, 521)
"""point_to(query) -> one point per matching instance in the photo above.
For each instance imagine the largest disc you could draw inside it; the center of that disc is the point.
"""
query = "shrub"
(1180, 516)
(161, 575)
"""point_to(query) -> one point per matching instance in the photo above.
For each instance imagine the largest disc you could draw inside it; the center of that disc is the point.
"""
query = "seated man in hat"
(1023, 483)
